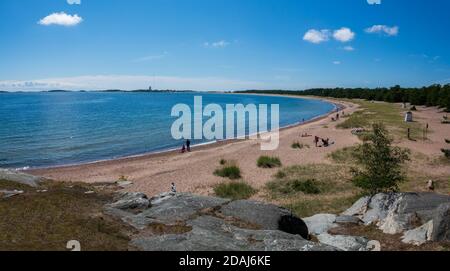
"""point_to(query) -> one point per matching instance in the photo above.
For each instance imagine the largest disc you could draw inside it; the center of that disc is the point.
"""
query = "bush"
(447, 141)
(381, 164)
(223, 161)
(234, 190)
(268, 162)
(413, 108)
(446, 152)
(232, 172)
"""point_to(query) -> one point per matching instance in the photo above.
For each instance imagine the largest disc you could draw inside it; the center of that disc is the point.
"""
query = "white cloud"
(151, 57)
(336, 62)
(316, 36)
(344, 34)
(374, 2)
(348, 48)
(74, 2)
(217, 44)
(383, 29)
(61, 18)
(130, 82)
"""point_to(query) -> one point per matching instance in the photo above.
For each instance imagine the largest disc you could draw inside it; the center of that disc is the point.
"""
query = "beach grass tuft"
(228, 170)
(298, 145)
(268, 162)
(234, 190)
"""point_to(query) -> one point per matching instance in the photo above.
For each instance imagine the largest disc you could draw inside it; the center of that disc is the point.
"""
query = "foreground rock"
(10, 193)
(268, 216)
(320, 223)
(441, 223)
(420, 235)
(214, 234)
(210, 223)
(19, 177)
(396, 213)
(346, 243)
(131, 201)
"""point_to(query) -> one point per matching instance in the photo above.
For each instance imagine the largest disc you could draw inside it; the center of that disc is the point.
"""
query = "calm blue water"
(50, 129)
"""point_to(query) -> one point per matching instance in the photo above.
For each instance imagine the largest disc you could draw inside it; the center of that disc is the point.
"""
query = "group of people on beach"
(325, 142)
(186, 147)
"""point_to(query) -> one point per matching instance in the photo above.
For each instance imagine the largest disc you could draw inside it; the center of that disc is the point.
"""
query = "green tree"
(380, 163)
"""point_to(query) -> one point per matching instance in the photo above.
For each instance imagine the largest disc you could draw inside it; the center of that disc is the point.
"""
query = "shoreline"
(197, 147)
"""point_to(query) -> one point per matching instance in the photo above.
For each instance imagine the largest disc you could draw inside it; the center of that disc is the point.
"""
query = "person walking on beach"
(188, 145)
(316, 140)
(173, 189)
(183, 149)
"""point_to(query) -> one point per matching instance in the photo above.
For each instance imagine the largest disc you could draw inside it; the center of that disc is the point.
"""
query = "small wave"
(22, 168)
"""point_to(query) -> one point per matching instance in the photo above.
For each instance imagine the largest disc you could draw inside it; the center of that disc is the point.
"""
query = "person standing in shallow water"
(188, 145)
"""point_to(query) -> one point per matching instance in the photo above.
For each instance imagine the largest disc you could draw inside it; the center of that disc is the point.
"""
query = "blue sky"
(222, 44)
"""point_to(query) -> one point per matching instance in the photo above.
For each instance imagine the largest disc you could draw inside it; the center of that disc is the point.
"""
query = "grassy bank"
(46, 218)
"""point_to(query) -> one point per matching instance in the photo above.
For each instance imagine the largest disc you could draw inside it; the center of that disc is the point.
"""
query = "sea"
(48, 129)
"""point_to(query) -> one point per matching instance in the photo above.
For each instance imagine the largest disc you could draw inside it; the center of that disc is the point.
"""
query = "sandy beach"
(193, 172)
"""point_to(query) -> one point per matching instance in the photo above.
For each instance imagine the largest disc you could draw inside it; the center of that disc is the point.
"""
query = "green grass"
(307, 207)
(298, 145)
(268, 162)
(294, 186)
(232, 172)
(309, 179)
(234, 190)
(343, 156)
(47, 221)
(392, 115)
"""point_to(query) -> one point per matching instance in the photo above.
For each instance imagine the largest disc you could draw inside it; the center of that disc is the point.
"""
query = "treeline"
(434, 95)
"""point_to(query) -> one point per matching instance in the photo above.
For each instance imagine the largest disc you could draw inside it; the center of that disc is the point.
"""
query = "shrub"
(413, 108)
(381, 164)
(234, 190)
(446, 152)
(223, 161)
(232, 172)
(447, 141)
(268, 162)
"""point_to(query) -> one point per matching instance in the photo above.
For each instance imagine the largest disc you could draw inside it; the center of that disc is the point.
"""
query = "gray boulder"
(175, 208)
(19, 177)
(420, 235)
(267, 216)
(10, 193)
(441, 223)
(395, 213)
(346, 243)
(320, 223)
(131, 201)
(214, 234)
